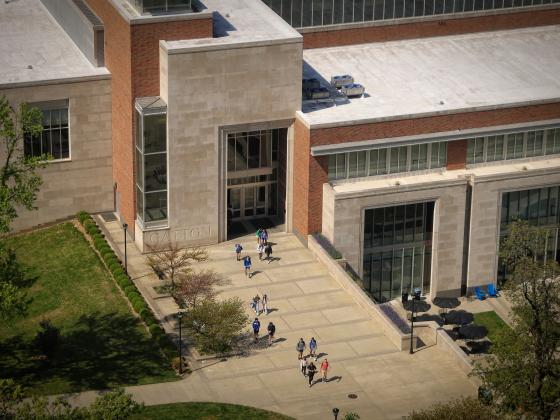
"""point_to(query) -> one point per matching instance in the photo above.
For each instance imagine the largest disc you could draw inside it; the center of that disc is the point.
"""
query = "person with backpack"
(258, 235)
(264, 237)
(256, 328)
(311, 370)
(238, 249)
(247, 266)
(313, 348)
(268, 252)
(300, 347)
(271, 332)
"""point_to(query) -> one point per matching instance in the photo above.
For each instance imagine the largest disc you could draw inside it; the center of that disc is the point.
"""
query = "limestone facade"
(85, 181)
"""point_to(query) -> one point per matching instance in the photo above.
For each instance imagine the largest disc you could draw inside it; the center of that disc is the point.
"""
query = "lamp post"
(415, 296)
(180, 316)
(125, 227)
(335, 412)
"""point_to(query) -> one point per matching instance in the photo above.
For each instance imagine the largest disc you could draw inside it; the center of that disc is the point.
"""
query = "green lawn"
(206, 411)
(491, 321)
(103, 345)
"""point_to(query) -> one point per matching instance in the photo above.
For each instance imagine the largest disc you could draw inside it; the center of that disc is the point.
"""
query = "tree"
(13, 281)
(112, 405)
(194, 287)
(19, 181)
(171, 260)
(459, 409)
(215, 324)
(523, 369)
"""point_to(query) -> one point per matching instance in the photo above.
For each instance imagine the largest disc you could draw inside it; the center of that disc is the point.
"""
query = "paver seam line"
(275, 268)
(273, 283)
(295, 367)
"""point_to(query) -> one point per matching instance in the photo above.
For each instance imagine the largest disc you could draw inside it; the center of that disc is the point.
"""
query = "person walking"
(271, 332)
(264, 302)
(311, 371)
(260, 250)
(303, 365)
(313, 348)
(256, 304)
(324, 369)
(238, 249)
(247, 265)
(268, 252)
(256, 328)
(264, 237)
(258, 235)
(300, 347)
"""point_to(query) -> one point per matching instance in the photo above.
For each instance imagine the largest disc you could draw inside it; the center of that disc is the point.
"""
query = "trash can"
(404, 297)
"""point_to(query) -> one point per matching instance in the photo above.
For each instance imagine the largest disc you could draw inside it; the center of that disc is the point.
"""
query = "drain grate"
(109, 217)
(352, 396)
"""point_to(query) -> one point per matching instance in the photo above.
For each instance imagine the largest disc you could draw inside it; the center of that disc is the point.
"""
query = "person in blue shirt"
(238, 249)
(256, 328)
(247, 265)
(313, 348)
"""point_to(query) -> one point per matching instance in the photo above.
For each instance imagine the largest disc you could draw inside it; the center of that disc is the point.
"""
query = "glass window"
(379, 10)
(352, 165)
(399, 9)
(332, 167)
(368, 228)
(327, 12)
(423, 157)
(307, 13)
(368, 10)
(241, 152)
(479, 150)
(155, 172)
(54, 141)
(388, 226)
(317, 12)
(155, 133)
(358, 10)
(254, 144)
(338, 11)
(155, 206)
(362, 164)
(553, 141)
(396, 280)
(389, 9)
(348, 11)
(378, 222)
(341, 166)
(535, 143)
(382, 162)
(296, 13)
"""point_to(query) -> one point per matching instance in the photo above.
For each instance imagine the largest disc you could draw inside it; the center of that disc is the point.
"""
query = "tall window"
(54, 141)
(540, 207)
(397, 249)
(387, 160)
(304, 13)
(151, 163)
(515, 145)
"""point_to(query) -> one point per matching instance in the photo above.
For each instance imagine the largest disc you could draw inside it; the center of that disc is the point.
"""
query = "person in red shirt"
(324, 369)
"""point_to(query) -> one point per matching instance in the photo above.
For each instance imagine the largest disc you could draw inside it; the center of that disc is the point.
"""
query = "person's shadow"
(334, 378)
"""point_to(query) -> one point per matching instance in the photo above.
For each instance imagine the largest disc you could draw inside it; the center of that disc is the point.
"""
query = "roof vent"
(353, 90)
(339, 81)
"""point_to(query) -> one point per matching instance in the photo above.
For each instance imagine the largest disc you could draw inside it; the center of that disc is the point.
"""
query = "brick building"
(408, 133)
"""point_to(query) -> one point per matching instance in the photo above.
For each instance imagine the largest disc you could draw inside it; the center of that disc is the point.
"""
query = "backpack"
(238, 248)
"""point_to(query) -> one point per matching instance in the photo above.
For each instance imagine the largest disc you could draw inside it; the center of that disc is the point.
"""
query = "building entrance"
(256, 177)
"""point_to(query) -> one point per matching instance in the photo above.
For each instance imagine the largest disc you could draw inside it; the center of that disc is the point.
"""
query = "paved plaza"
(305, 301)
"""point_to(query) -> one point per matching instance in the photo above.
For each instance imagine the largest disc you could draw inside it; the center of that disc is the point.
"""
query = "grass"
(103, 344)
(206, 411)
(491, 321)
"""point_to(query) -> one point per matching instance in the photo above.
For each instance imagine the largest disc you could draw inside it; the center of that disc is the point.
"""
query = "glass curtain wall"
(397, 249)
(151, 168)
(518, 145)
(252, 166)
(540, 208)
(387, 160)
(305, 13)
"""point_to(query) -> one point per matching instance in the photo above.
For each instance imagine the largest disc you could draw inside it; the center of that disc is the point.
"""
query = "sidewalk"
(305, 301)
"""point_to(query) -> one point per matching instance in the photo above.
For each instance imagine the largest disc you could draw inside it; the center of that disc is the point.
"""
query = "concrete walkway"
(305, 302)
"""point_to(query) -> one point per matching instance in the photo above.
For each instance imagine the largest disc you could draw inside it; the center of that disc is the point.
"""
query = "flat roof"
(237, 24)
(431, 76)
(32, 37)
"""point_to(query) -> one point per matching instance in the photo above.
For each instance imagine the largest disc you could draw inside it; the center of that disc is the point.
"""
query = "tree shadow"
(98, 351)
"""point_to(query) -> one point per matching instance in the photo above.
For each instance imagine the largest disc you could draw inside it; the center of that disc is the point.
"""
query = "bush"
(48, 338)
(118, 271)
(130, 289)
(124, 282)
(155, 330)
(133, 295)
(139, 306)
(146, 315)
(82, 216)
(112, 263)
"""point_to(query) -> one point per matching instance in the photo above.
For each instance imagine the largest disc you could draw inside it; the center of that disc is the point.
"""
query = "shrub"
(82, 216)
(146, 315)
(133, 295)
(124, 282)
(48, 338)
(108, 254)
(130, 289)
(155, 330)
(139, 306)
(118, 271)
